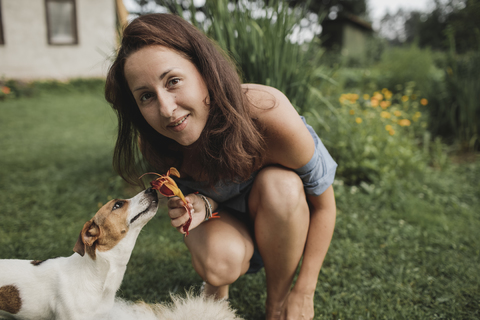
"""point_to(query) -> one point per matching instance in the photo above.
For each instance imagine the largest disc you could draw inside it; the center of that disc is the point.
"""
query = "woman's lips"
(179, 124)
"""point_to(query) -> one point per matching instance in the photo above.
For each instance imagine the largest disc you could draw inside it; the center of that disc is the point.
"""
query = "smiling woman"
(240, 149)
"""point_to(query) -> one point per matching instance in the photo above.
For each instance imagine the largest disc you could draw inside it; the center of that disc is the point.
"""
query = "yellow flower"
(366, 97)
(404, 122)
(358, 120)
(374, 102)
(387, 93)
(378, 96)
(352, 112)
(352, 97)
(385, 115)
(405, 98)
(6, 90)
(423, 102)
(385, 104)
(397, 113)
(388, 127)
(392, 132)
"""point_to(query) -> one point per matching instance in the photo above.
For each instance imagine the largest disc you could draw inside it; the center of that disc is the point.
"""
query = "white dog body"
(56, 288)
(81, 286)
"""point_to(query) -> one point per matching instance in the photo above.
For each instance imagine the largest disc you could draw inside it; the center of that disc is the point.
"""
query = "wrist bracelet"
(208, 207)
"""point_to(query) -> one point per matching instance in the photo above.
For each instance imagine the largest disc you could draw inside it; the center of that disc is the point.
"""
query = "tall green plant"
(259, 38)
(457, 100)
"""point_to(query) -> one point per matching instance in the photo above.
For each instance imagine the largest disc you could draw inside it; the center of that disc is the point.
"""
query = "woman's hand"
(179, 215)
(299, 306)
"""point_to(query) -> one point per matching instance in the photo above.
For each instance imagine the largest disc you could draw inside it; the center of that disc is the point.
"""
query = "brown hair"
(231, 145)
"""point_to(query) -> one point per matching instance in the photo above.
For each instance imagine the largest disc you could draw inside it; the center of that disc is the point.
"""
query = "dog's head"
(114, 221)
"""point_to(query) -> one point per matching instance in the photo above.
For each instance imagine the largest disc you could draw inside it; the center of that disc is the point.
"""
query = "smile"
(176, 124)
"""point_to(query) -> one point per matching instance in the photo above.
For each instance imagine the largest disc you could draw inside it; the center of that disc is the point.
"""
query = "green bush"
(375, 138)
(16, 89)
(400, 65)
(449, 81)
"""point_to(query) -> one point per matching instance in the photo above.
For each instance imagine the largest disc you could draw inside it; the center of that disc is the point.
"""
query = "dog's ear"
(90, 233)
(79, 246)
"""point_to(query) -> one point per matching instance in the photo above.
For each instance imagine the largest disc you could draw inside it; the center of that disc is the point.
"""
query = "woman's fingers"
(176, 207)
(178, 213)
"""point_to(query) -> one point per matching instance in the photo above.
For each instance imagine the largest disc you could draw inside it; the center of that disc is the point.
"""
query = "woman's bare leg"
(221, 250)
(280, 211)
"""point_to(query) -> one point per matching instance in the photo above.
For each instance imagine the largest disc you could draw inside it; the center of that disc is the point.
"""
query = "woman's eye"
(117, 205)
(145, 97)
(173, 81)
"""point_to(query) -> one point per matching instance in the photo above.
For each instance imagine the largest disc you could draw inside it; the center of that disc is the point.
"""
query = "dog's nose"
(149, 191)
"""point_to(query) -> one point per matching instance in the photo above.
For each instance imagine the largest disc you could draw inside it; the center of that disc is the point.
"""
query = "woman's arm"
(300, 301)
(322, 223)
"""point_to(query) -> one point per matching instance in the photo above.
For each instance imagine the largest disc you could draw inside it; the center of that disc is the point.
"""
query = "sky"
(378, 8)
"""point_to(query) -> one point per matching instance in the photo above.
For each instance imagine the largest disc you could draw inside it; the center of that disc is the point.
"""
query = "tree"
(355, 7)
(452, 19)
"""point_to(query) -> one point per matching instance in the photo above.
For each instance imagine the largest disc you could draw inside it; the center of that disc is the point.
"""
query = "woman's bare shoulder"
(263, 97)
(290, 143)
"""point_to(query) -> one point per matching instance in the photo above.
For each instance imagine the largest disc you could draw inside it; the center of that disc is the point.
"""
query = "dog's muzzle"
(150, 192)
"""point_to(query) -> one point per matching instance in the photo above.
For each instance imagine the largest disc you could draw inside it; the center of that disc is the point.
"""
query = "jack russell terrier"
(83, 286)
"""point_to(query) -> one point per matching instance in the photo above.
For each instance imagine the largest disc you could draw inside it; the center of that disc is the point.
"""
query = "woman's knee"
(221, 249)
(221, 263)
(278, 189)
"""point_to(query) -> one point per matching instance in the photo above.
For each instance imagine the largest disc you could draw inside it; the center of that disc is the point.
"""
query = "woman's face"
(170, 92)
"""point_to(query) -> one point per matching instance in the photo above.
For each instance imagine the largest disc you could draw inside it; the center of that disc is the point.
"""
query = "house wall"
(26, 53)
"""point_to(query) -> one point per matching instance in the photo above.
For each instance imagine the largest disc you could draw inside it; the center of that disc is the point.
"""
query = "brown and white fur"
(83, 286)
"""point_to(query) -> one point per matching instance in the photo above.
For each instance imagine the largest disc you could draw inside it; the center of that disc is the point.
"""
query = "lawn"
(415, 255)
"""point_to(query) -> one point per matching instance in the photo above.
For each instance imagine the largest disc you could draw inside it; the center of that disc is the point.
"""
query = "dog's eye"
(118, 205)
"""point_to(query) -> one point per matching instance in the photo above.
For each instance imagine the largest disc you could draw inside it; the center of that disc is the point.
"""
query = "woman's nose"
(167, 104)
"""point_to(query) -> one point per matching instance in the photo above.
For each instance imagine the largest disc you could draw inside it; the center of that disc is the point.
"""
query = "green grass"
(415, 256)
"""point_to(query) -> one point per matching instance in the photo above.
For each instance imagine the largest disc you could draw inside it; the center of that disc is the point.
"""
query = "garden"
(404, 130)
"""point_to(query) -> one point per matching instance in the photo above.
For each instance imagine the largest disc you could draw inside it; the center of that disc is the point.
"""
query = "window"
(2, 41)
(61, 22)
